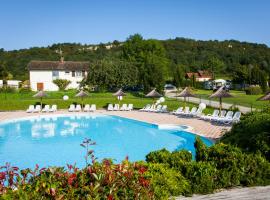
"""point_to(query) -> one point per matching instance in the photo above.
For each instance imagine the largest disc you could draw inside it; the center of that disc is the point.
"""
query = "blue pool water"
(52, 140)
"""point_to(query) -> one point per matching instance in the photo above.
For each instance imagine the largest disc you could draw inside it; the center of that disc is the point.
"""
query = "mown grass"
(21, 101)
(239, 98)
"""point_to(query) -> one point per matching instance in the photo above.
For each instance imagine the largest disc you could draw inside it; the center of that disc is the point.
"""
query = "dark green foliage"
(244, 62)
(216, 167)
(167, 182)
(149, 58)
(252, 134)
(254, 90)
(110, 73)
(7, 89)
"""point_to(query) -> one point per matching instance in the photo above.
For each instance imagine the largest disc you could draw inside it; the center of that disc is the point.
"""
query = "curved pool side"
(47, 143)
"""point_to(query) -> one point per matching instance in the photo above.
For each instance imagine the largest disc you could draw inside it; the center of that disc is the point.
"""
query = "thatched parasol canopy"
(265, 97)
(220, 93)
(82, 94)
(186, 93)
(153, 94)
(41, 95)
(119, 93)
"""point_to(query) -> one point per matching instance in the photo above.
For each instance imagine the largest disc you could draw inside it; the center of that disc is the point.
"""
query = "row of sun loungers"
(37, 108)
(78, 108)
(223, 117)
(154, 108)
(116, 107)
(194, 112)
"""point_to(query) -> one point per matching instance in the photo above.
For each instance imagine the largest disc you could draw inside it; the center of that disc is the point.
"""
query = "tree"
(4, 74)
(150, 60)
(61, 83)
(177, 74)
(215, 65)
(111, 73)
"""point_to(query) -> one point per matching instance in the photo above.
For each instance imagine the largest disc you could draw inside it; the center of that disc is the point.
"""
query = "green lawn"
(239, 98)
(21, 101)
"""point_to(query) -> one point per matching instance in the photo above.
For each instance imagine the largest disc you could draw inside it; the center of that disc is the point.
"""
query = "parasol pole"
(220, 104)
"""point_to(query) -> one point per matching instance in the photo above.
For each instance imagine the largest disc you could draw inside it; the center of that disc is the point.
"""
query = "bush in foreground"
(252, 133)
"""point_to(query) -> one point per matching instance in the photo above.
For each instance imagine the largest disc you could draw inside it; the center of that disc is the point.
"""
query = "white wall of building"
(46, 77)
(11, 83)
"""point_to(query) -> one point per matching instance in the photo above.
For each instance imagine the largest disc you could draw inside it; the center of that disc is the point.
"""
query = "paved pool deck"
(200, 127)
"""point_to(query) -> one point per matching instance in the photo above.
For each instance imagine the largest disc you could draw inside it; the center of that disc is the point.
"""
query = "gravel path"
(211, 103)
(251, 193)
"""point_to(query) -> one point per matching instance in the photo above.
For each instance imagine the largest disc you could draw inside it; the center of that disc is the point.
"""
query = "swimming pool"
(55, 140)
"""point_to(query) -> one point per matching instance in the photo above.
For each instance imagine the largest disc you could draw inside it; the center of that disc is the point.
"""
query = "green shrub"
(254, 90)
(7, 89)
(160, 156)
(61, 83)
(25, 90)
(202, 177)
(252, 133)
(167, 182)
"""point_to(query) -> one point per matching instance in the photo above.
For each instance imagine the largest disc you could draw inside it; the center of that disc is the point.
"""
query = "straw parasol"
(119, 94)
(41, 95)
(153, 94)
(82, 94)
(186, 93)
(265, 97)
(220, 93)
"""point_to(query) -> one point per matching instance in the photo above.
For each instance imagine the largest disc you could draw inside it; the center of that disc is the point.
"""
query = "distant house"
(200, 76)
(42, 73)
(11, 83)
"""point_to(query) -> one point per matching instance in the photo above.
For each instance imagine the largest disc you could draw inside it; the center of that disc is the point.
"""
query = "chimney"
(62, 59)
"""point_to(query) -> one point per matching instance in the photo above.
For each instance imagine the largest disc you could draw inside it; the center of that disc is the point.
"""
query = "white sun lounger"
(93, 108)
(186, 110)
(123, 107)
(30, 109)
(116, 107)
(234, 119)
(46, 108)
(53, 108)
(71, 108)
(151, 109)
(145, 107)
(157, 109)
(198, 113)
(179, 110)
(78, 108)
(221, 115)
(210, 116)
(164, 109)
(37, 109)
(110, 107)
(130, 107)
(86, 108)
(228, 116)
(192, 111)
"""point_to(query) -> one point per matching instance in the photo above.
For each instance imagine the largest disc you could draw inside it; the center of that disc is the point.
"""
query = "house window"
(73, 73)
(55, 73)
(78, 73)
(83, 73)
(66, 72)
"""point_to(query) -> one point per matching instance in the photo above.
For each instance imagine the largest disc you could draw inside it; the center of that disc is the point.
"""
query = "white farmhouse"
(42, 74)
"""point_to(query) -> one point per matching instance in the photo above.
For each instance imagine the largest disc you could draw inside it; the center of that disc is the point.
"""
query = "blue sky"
(28, 23)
